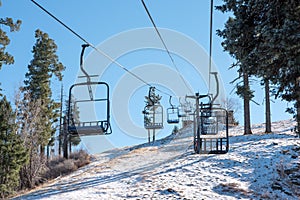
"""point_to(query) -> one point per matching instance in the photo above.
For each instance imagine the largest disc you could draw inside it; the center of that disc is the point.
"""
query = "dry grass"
(81, 158)
(289, 179)
(144, 149)
(234, 188)
(60, 166)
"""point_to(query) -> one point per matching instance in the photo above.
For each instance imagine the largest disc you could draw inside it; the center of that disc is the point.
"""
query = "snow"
(257, 166)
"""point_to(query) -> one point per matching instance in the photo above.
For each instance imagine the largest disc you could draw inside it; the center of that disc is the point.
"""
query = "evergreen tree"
(12, 150)
(275, 35)
(239, 41)
(278, 33)
(5, 57)
(42, 68)
(152, 98)
(150, 114)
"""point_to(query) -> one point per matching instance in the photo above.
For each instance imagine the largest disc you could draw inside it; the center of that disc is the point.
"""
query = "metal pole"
(197, 121)
(60, 122)
(210, 44)
(153, 139)
(197, 97)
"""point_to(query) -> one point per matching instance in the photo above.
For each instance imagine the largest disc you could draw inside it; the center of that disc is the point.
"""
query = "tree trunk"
(268, 107)
(65, 143)
(48, 153)
(298, 106)
(298, 118)
(70, 146)
(42, 152)
(153, 139)
(247, 121)
(59, 142)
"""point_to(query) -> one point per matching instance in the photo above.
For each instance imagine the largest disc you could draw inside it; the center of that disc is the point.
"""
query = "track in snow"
(168, 169)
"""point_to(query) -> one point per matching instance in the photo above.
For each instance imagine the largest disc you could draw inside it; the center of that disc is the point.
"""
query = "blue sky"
(97, 21)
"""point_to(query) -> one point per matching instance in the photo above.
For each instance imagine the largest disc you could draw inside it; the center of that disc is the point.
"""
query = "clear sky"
(100, 22)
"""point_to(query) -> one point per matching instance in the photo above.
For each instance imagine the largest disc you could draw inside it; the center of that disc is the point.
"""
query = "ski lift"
(213, 137)
(153, 112)
(86, 127)
(181, 111)
(184, 109)
(188, 107)
(172, 113)
(210, 125)
(208, 120)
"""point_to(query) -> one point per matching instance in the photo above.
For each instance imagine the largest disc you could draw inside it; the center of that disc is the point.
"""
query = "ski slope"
(258, 166)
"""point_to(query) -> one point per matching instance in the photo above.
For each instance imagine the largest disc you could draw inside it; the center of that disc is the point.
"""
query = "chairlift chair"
(188, 107)
(89, 127)
(209, 138)
(211, 134)
(181, 111)
(209, 120)
(172, 113)
(185, 109)
(153, 113)
(153, 117)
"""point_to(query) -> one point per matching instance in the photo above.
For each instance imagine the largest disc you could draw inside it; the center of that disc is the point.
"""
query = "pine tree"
(278, 33)
(5, 57)
(152, 103)
(42, 68)
(239, 41)
(12, 150)
(152, 98)
(276, 44)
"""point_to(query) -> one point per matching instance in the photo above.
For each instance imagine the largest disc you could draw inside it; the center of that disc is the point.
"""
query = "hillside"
(258, 166)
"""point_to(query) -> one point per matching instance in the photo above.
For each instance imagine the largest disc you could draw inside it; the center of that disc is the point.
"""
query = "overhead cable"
(98, 50)
(164, 44)
(210, 44)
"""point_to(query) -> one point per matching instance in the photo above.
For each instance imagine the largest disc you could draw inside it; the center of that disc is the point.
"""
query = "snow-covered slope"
(258, 166)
